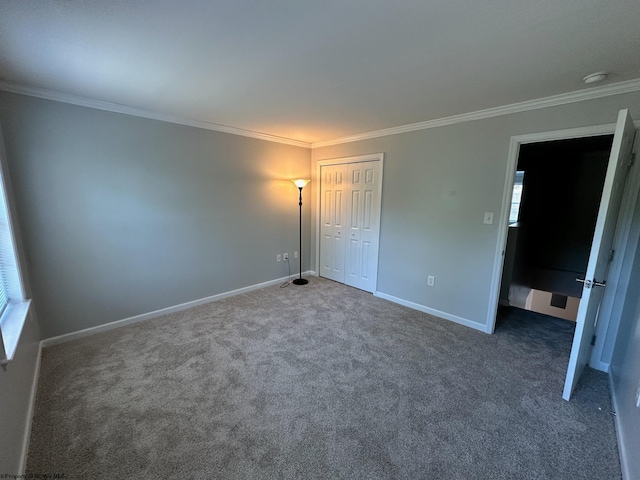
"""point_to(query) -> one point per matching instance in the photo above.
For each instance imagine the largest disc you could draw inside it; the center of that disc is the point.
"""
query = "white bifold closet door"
(350, 223)
(333, 212)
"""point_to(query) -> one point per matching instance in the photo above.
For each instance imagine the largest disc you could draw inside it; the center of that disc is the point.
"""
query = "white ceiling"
(316, 70)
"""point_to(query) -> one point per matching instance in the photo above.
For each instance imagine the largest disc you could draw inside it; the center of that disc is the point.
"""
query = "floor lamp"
(300, 183)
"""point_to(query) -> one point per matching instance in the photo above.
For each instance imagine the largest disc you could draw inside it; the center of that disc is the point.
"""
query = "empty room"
(332, 240)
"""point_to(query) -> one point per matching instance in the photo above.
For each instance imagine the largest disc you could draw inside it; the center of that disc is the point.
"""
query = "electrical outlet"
(431, 280)
(278, 258)
(285, 256)
(295, 254)
(488, 218)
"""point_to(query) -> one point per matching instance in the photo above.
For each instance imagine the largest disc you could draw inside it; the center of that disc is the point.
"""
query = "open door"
(601, 253)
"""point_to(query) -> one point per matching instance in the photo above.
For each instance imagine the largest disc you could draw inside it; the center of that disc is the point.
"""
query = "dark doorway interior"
(552, 228)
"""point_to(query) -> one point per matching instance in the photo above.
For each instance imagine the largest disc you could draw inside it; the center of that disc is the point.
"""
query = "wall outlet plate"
(488, 218)
(431, 280)
(285, 256)
(278, 258)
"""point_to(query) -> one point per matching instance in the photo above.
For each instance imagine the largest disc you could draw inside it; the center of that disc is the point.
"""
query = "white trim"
(140, 112)
(512, 161)
(32, 406)
(623, 450)
(15, 315)
(603, 367)
(552, 101)
(503, 231)
(67, 337)
(11, 326)
(369, 157)
(431, 311)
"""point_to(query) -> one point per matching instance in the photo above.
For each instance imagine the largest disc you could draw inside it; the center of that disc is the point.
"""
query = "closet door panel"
(350, 211)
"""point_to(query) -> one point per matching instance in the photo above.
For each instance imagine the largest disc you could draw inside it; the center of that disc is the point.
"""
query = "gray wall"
(437, 185)
(15, 398)
(122, 215)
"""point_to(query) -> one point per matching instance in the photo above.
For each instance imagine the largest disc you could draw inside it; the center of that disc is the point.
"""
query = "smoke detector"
(595, 77)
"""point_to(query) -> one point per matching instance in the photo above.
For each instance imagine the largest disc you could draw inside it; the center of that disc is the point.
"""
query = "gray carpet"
(320, 382)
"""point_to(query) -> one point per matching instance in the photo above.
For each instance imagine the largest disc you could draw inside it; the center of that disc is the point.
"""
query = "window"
(13, 304)
(516, 198)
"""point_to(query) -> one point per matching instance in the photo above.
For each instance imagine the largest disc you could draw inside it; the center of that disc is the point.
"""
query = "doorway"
(349, 206)
(609, 229)
(553, 215)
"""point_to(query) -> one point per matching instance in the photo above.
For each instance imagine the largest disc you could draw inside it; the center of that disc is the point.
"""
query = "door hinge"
(611, 254)
(593, 340)
(633, 159)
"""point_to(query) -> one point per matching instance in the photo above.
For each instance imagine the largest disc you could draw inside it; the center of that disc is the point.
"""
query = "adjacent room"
(449, 289)
(553, 216)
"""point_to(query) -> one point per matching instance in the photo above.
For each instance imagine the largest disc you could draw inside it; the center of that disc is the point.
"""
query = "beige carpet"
(320, 381)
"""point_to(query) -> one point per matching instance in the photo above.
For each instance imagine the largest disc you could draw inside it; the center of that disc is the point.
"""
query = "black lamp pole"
(300, 281)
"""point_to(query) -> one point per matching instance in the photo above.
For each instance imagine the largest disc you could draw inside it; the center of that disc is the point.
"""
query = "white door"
(350, 201)
(333, 219)
(364, 217)
(599, 258)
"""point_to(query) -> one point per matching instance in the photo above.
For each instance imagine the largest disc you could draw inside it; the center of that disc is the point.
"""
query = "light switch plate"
(488, 218)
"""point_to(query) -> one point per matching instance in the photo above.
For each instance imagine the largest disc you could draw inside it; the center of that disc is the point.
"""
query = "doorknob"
(590, 283)
(587, 283)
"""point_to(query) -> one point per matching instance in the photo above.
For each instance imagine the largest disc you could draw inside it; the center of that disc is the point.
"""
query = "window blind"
(3, 291)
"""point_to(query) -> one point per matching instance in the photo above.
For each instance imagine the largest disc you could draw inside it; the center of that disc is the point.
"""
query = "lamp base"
(300, 281)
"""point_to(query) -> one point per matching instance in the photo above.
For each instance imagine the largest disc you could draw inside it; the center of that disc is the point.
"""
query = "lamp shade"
(300, 182)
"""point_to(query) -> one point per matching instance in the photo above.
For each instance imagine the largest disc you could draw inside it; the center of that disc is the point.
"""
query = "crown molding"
(564, 98)
(139, 112)
(555, 100)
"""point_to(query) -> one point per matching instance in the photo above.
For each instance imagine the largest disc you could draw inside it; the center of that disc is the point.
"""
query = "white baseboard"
(602, 366)
(432, 311)
(47, 342)
(32, 405)
(622, 447)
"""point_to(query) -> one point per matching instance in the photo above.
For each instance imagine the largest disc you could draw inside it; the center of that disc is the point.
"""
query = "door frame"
(370, 157)
(628, 195)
